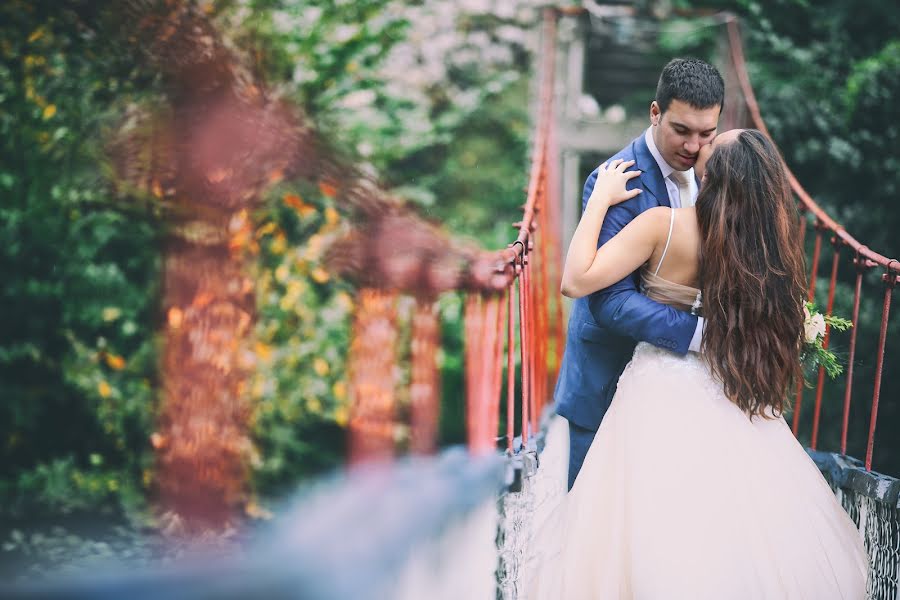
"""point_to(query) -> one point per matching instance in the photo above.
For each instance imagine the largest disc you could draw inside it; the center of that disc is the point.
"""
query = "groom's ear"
(655, 113)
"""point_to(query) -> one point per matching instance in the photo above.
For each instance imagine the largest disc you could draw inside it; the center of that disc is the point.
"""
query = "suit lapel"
(651, 176)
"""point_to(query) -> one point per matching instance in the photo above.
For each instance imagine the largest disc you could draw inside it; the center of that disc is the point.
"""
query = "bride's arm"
(588, 268)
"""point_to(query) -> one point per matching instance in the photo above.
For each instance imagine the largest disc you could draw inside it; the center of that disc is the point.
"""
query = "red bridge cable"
(865, 258)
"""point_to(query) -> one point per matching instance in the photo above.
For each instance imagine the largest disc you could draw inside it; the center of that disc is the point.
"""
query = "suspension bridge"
(456, 523)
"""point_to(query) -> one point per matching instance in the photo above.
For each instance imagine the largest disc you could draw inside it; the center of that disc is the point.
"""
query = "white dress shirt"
(675, 201)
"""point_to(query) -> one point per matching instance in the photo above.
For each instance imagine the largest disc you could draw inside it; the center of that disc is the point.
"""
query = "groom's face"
(682, 130)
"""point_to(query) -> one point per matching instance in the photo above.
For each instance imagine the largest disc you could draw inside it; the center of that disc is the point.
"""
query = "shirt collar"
(664, 167)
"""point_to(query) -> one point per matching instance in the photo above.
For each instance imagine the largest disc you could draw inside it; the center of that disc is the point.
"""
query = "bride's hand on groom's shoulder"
(612, 177)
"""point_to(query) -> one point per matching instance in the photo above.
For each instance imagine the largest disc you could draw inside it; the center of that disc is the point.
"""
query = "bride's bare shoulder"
(686, 225)
(654, 222)
(658, 216)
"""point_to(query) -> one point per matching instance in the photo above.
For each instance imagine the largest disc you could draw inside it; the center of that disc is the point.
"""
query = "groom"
(605, 326)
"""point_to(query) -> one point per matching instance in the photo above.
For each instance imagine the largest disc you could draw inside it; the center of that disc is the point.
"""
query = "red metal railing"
(517, 287)
(863, 260)
(532, 260)
(508, 291)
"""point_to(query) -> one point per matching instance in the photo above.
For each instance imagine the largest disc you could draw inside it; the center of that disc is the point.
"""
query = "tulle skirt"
(682, 496)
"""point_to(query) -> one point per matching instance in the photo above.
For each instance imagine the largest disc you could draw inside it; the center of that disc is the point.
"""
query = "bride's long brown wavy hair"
(752, 273)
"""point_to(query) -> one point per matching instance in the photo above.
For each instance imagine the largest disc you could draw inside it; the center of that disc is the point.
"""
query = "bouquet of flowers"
(813, 354)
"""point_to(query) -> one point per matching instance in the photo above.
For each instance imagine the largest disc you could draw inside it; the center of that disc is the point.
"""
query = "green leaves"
(77, 361)
(814, 354)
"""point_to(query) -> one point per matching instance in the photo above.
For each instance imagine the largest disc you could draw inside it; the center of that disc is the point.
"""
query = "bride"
(694, 487)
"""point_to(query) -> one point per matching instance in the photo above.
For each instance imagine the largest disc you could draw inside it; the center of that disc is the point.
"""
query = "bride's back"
(681, 263)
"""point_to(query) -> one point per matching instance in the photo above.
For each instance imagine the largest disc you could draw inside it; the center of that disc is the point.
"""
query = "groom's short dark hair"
(690, 80)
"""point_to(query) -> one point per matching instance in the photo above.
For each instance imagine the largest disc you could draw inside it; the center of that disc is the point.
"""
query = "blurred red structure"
(213, 148)
(206, 155)
(398, 253)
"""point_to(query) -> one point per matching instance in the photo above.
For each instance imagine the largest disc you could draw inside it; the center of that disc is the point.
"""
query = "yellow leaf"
(279, 245)
(297, 203)
(314, 405)
(281, 273)
(320, 367)
(339, 389)
(49, 111)
(320, 275)
(111, 313)
(341, 416)
(104, 389)
(295, 288)
(259, 388)
(115, 362)
(332, 216)
(175, 317)
(263, 351)
(36, 35)
(238, 241)
(266, 229)
(344, 300)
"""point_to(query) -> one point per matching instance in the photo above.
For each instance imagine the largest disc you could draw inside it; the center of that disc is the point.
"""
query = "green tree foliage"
(79, 273)
(432, 99)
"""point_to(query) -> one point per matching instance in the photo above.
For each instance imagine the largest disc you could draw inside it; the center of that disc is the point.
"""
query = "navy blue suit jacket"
(605, 326)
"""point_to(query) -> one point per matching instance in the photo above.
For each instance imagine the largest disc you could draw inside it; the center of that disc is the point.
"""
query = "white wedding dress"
(683, 496)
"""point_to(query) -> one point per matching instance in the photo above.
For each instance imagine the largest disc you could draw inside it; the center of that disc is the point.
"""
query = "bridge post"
(862, 265)
(890, 281)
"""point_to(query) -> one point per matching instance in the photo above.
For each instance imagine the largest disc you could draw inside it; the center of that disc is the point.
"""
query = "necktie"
(682, 179)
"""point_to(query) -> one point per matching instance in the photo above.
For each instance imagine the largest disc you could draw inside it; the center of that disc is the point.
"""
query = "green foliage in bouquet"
(814, 354)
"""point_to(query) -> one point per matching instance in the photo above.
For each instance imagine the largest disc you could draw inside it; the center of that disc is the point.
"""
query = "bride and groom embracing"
(685, 337)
